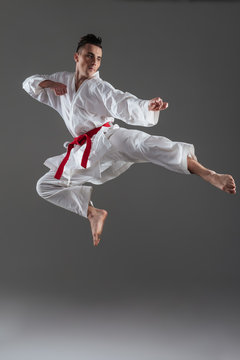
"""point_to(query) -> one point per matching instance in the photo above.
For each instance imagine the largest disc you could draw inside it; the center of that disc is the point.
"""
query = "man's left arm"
(125, 106)
(157, 104)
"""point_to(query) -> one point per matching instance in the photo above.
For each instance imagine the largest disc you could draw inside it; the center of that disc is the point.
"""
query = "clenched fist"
(58, 88)
(157, 104)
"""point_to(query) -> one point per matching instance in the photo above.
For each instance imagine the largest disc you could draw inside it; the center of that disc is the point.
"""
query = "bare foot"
(96, 218)
(223, 182)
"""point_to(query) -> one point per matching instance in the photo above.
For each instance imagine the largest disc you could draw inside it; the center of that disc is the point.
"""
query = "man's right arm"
(58, 88)
(47, 88)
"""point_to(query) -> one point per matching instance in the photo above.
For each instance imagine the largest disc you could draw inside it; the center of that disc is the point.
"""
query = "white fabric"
(70, 195)
(95, 103)
(128, 147)
(114, 149)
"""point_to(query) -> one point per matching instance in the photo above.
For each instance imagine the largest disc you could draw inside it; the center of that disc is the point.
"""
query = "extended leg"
(224, 182)
(135, 146)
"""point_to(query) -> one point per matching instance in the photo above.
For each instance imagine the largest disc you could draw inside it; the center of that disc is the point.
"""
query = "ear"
(76, 55)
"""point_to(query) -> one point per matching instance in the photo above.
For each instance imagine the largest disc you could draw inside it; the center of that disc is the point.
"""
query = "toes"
(96, 240)
(230, 184)
(231, 181)
(230, 190)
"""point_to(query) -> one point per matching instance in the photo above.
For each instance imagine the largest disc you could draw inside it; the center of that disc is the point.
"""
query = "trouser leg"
(138, 146)
(74, 196)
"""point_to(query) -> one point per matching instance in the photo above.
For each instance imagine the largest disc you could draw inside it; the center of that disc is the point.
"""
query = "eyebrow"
(89, 52)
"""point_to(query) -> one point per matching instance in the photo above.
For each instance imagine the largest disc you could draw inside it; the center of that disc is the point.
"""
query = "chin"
(91, 73)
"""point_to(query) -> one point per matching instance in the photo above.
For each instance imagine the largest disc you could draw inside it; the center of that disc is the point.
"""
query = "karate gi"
(114, 149)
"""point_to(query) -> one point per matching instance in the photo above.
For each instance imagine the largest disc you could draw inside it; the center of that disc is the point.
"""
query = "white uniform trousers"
(130, 146)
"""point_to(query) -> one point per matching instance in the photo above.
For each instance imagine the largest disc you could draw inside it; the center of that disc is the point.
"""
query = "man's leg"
(96, 218)
(224, 182)
(74, 197)
(138, 146)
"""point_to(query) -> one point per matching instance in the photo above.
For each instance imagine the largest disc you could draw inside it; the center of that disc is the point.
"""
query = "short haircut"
(89, 39)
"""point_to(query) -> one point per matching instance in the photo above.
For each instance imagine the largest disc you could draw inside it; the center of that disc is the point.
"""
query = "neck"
(79, 79)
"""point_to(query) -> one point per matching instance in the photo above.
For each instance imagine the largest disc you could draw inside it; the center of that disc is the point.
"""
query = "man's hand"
(157, 104)
(58, 88)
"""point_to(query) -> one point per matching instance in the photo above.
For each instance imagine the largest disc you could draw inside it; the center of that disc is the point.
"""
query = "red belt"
(80, 140)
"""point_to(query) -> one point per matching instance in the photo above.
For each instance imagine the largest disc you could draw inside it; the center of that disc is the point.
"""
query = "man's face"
(88, 60)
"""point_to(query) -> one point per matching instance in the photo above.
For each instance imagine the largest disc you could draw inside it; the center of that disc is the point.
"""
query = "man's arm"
(58, 88)
(105, 100)
(157, 104)
(47, 88)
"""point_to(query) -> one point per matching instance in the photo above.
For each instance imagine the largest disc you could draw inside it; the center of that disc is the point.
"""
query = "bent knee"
(40, 188)
(47, 186)
(44, 187)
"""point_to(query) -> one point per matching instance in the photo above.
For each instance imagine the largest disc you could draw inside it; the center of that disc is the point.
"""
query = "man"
(101, 150)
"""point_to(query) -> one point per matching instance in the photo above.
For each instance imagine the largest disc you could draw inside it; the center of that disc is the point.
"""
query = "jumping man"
(101, 150)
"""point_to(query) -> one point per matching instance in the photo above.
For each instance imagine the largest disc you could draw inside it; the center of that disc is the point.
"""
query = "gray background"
(164, 281)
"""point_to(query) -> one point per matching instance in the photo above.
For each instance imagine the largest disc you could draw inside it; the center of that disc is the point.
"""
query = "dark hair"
(89, 39)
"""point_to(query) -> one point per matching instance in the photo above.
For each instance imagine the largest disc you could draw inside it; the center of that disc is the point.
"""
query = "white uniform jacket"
(95, 103)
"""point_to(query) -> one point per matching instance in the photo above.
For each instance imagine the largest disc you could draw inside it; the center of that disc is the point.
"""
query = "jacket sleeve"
(108, 101)
(46, 96)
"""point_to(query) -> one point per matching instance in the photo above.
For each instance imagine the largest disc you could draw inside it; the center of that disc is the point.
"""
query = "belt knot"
(79, 140)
